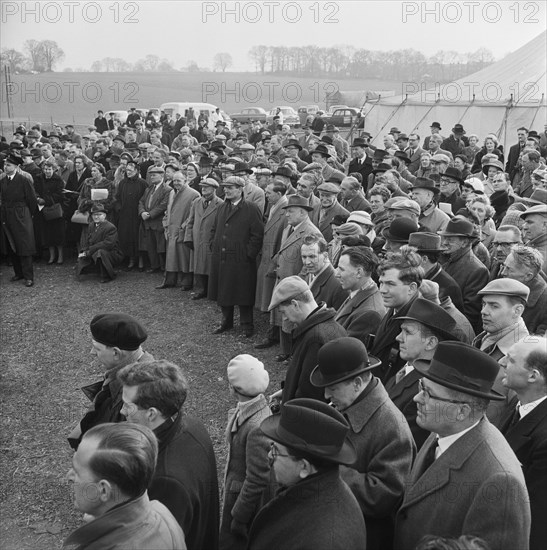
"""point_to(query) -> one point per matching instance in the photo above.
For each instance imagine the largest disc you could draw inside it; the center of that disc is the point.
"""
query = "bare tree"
(222, 61)
(13, 59)
(34, 50)
(97, 66)
(259, 55)
(51, 54)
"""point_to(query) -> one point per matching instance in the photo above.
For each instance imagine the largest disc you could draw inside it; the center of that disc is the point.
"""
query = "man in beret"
(525, 427)
(523, 264)
(503, 303)
(116, 341)
(236, 239)
(185, 478)
(152, 208)
(459, 261)
(18, 205)
(315, 325)
(247, 473)
(380, 434)
(464, 460)
(313, 508)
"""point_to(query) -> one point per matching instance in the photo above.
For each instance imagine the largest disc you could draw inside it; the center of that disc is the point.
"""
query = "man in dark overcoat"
(18, 205)
(236, 240)
(185, 479)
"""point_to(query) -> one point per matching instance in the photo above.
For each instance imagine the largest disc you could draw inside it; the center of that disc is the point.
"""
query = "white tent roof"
(497, 99)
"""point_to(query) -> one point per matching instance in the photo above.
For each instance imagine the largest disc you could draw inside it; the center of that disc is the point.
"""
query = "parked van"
(204, 109)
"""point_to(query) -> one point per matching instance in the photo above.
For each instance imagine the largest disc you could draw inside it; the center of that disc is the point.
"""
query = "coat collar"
(407, 382)
(537, 287)
(320, 316)
(304, 229)
(355, 302)
(372, 398)
(518, 435)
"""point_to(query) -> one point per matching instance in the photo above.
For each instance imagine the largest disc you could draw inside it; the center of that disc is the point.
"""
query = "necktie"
(430, 455)
(290, 231)
(515, 418)
(400, 375)
(205, 205)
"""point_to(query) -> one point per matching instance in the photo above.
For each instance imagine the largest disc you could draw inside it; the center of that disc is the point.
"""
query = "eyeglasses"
(497, 244)
(429, 395)
(274, 451)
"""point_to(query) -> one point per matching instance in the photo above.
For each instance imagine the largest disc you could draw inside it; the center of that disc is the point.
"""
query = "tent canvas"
(497, 99)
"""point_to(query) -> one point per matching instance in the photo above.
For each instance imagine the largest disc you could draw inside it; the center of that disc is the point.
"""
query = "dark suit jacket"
(157, 207)
(324, 224)
(326, 288)
(362, 314)
(512, 158)
(414, 159)
(447, 285)
(402, 394)
(365, 168)
(528, 439)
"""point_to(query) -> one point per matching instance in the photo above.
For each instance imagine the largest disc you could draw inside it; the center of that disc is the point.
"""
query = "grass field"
(75, 97)
(45, 344)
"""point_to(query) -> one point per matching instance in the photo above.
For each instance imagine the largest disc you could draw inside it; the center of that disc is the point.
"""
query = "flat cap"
(247, 375)
(209, 181)
(506, 287)
(440, 157)
(156, 170)
(329, 187)
(287, 289)
(406, 204)
(234, 180)
(118, 330)
(246, 147)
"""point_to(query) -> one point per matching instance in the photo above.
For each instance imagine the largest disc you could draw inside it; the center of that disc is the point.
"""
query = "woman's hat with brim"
(313, 428)
(462, 367)
(341, 359)
(492, 163)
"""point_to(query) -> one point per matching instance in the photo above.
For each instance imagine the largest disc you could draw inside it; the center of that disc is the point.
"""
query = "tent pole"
(391, 116)
(504, 121)
(465, 112)
(537, 110)
(427, 113)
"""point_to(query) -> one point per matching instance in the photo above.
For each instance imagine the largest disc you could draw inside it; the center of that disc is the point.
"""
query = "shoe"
(164, 286)
(130, 265)
(29, 282)
(222, 328)
(51, 261)
(152, 270)
(141, 269)
(106, 280)
(199, 296)
(16, 278)
(60, 262)
(248, 332)
(265, 344)
(186, 288)
(281, 357)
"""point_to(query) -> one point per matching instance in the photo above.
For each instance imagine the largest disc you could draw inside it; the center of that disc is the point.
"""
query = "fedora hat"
(327, 140)
(311, 426)
(341, 359)
(539, 196)
(284, 171)
(322, 150)
(458, 129)
(425, 242)
(403, 156)
(425, 183)
(293, 143)
(242, 167)
(359, 142)
(435, 125)
(458, 227)
(399, 230)
(380, 154)
(382, 168)
(433, 316)
(462, 367)
(454, 173)
(298, 201)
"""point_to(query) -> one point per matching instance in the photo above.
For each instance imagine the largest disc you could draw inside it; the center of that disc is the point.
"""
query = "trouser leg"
(246, 316)
(227, 316)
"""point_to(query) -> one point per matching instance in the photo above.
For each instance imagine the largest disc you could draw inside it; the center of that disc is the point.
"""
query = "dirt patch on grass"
(45, 343)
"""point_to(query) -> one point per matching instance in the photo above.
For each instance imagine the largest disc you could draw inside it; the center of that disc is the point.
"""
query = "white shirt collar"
(447, 441)
(529, 407)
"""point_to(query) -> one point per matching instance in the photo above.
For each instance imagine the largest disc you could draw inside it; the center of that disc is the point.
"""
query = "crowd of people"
(405, 288)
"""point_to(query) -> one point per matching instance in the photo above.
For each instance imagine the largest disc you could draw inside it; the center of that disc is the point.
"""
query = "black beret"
(118, 330)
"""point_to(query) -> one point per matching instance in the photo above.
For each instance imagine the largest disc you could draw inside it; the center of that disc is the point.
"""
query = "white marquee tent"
(498, 99)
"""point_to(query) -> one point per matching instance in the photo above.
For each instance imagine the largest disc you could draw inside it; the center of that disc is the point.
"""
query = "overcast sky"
(182, 31)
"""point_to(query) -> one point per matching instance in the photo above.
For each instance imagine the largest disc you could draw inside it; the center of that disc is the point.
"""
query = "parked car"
(249, 114)
(205, 109)
(307, 111)
(290, 116)
(345, 117)
(120, 115)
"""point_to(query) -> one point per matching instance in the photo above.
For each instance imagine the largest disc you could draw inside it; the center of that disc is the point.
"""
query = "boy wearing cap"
(379, 433)
(18, 205)
(465, 460)
(314, 508)
(247, 472)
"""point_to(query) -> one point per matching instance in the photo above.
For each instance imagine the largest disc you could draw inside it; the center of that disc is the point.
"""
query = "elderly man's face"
(327, 199)
(304, 188)
(411, 342)
(451, 244)
(516, 375)
(422, 196)
(514, 270)
(313, 260)
(342, 395)
(501, 246)
(534, 225)
(448, 185)
(295, 215)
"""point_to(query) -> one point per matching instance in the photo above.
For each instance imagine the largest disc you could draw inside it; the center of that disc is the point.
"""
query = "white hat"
(361, 217)
(476, 184)
(247, 375)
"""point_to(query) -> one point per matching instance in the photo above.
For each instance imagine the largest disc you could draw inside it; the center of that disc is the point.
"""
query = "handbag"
(80, 217)
(53, 212)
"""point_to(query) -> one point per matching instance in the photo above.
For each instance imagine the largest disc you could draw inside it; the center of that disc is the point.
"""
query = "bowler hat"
(425, 242)
(287, 289)
(322, 150)
(341, 359)
(314, 428)
(462, 367)
(327, 140)
(433, 316)
(435, 125)
(298, 201)
(382, 168)
(425, 183)
(458, 226)
(394, 130)
(454, 173)
(400, 229)
(506, 287)
(118, 330)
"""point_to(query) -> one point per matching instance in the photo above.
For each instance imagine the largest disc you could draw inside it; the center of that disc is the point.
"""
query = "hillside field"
(75, 97)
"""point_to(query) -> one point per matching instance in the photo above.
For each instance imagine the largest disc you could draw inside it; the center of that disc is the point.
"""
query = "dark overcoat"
(325, 223)
(247, 471)
(198, 230)
(18, 205)
(51, 191)
(385, 451)
(326, 288)
(236, 239)
(528, 439)
(185, 480)
(101, 241)
(535, 312)
(318, 513)
(128, 195)
(447, 285)
(318, 329)
(362, 314)
(455, 495)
